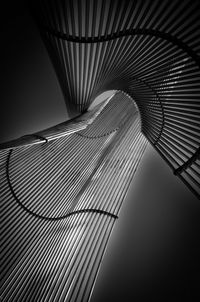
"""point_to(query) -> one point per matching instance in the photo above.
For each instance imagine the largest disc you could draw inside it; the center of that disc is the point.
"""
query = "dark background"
(154, 251)
(31, 98)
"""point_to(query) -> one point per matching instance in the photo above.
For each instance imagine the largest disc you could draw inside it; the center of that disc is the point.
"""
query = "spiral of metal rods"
(63, 187)
(149, 50)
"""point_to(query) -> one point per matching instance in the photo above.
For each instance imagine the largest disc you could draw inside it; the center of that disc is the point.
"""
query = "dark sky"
(154, 251)
(31, 98)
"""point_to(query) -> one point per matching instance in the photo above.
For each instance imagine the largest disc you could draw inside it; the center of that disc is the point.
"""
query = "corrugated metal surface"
(60, 202)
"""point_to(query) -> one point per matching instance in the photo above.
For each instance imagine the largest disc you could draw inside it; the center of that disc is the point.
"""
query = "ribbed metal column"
(60, 202)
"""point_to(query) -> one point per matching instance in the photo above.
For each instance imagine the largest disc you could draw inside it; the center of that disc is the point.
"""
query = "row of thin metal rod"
(102, 18)
(158, 65)
(58, 260)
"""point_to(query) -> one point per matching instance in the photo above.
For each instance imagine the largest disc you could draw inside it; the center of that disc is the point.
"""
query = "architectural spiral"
(149, 50)
(63, 187)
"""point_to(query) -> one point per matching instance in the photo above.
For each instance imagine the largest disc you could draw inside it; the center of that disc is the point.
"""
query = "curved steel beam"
(46, 218)
(42, 138)
(188, 163)
(125, 33)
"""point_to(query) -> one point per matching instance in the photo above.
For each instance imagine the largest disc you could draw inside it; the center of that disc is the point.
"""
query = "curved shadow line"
(98, 136)
(122, 124)
(128, 32)
(46, 218)
(161, 105)
(103, 135)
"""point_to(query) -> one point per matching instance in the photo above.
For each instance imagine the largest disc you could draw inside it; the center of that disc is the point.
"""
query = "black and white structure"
(62, 188)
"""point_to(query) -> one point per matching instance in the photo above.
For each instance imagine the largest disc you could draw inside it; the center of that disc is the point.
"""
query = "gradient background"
(154, 251)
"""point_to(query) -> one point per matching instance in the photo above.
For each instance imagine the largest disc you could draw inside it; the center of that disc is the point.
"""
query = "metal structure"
(63, 187)
(61, 199)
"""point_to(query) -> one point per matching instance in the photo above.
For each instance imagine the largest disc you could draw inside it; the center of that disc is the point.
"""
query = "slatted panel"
(60, 202)
(148, 49)
(104, 18)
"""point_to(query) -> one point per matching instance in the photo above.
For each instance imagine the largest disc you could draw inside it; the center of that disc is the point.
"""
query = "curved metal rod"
(46, 218)
(42, 138)
(188, 163)
(129, 32)
(161, 105)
